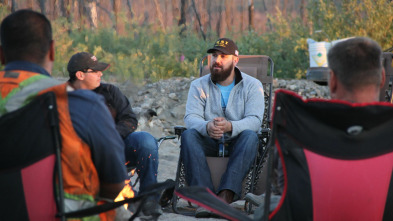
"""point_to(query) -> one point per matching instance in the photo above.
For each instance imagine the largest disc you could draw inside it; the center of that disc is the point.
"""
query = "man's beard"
(220, 75)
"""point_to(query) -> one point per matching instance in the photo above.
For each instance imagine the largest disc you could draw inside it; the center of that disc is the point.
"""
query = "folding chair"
(30, 146)
(31, 184)
(260, 67)
(337, 159)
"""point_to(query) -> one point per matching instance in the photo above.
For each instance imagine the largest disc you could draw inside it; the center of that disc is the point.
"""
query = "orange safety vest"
(80, 177)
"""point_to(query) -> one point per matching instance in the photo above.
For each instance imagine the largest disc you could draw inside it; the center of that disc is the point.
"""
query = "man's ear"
(52, 51)
(2, 58)
(80, 75)
(235, 59)
(332, 83)
(383, 79)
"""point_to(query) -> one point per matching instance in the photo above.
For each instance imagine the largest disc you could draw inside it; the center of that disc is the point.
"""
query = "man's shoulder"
(110, 88)
(248, 79)
(85, 105)
(84, 97)
(107, 85)
(204, 80)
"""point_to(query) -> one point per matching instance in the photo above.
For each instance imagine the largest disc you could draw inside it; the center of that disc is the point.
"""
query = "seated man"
(356, 71)
(141, 148)
(356, 75)
(224, 106)
(92, 150)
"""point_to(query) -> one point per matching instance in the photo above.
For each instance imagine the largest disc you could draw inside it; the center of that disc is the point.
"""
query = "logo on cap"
(221, 43)
(94, 58)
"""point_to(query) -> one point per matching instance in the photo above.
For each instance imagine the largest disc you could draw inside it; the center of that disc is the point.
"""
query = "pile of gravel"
(167, 98)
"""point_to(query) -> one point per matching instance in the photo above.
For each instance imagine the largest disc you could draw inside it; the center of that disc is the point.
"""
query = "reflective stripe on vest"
(80, 177)
(21, 88)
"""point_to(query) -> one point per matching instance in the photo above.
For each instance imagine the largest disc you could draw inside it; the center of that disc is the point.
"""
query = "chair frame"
(255, 65)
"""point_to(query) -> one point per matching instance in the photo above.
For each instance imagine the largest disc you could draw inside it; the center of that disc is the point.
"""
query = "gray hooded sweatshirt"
(244, 109)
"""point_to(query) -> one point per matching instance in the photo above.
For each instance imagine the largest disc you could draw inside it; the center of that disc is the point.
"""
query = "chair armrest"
(179, 130)
(265, 130)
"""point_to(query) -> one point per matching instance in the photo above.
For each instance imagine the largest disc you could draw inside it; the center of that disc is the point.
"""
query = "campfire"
(127, 191)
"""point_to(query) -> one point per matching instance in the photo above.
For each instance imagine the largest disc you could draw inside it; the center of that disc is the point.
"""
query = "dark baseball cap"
(84, 60)
(226, 46)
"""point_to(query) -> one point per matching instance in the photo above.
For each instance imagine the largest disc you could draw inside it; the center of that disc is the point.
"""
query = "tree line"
(148, 40)
(202, 16)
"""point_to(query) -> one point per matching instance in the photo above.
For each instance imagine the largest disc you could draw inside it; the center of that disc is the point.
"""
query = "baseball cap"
(84, 60)
(226, 46)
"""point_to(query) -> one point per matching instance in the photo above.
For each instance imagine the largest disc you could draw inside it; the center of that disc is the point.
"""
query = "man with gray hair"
(356, 75)
(356, 72)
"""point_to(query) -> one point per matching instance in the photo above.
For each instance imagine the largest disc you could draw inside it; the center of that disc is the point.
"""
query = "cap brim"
(211, 50)
(100, 66)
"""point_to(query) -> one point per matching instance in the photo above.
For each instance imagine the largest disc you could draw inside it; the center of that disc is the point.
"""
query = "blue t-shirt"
(225, 92)
(94, 125)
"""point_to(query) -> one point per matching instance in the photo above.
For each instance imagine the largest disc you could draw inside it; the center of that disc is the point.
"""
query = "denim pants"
(142, 151)
(242, 152)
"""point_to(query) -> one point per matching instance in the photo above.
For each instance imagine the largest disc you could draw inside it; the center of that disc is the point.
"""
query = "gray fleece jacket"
(244, 109)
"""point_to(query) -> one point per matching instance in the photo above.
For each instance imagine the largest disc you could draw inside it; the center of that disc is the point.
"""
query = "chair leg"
(175, 198)
(259, 164)
(180, 182)
(253, 179)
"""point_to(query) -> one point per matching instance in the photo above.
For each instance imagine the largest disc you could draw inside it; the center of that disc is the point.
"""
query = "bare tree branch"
(30, 4)
(130, 8)
(199, 20)
(159, 14)
(219, 21)
(110, 14)
(119, 22)
(229, 14)
(250, 15)
(209, 14)
(14, 6)
(182, 21)
(42, 6)
(303, 11)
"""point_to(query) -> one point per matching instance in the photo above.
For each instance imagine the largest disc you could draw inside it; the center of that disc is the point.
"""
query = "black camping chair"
(30, 172)
(337, 159)
(30, 148)
(260, 67)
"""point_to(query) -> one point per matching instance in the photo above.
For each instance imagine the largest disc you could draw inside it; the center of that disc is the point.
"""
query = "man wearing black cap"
(224, 108)
(141, 149)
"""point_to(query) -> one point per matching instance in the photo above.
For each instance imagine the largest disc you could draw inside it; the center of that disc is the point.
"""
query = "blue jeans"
(142, 151)
(242, 152)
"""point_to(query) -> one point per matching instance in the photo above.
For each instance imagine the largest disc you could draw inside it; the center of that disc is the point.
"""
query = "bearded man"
(224, 108)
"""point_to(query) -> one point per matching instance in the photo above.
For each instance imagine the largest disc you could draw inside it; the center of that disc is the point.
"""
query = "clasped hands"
(217, 127)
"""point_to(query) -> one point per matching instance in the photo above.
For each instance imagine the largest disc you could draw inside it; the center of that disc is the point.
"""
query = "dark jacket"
(120, 108)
